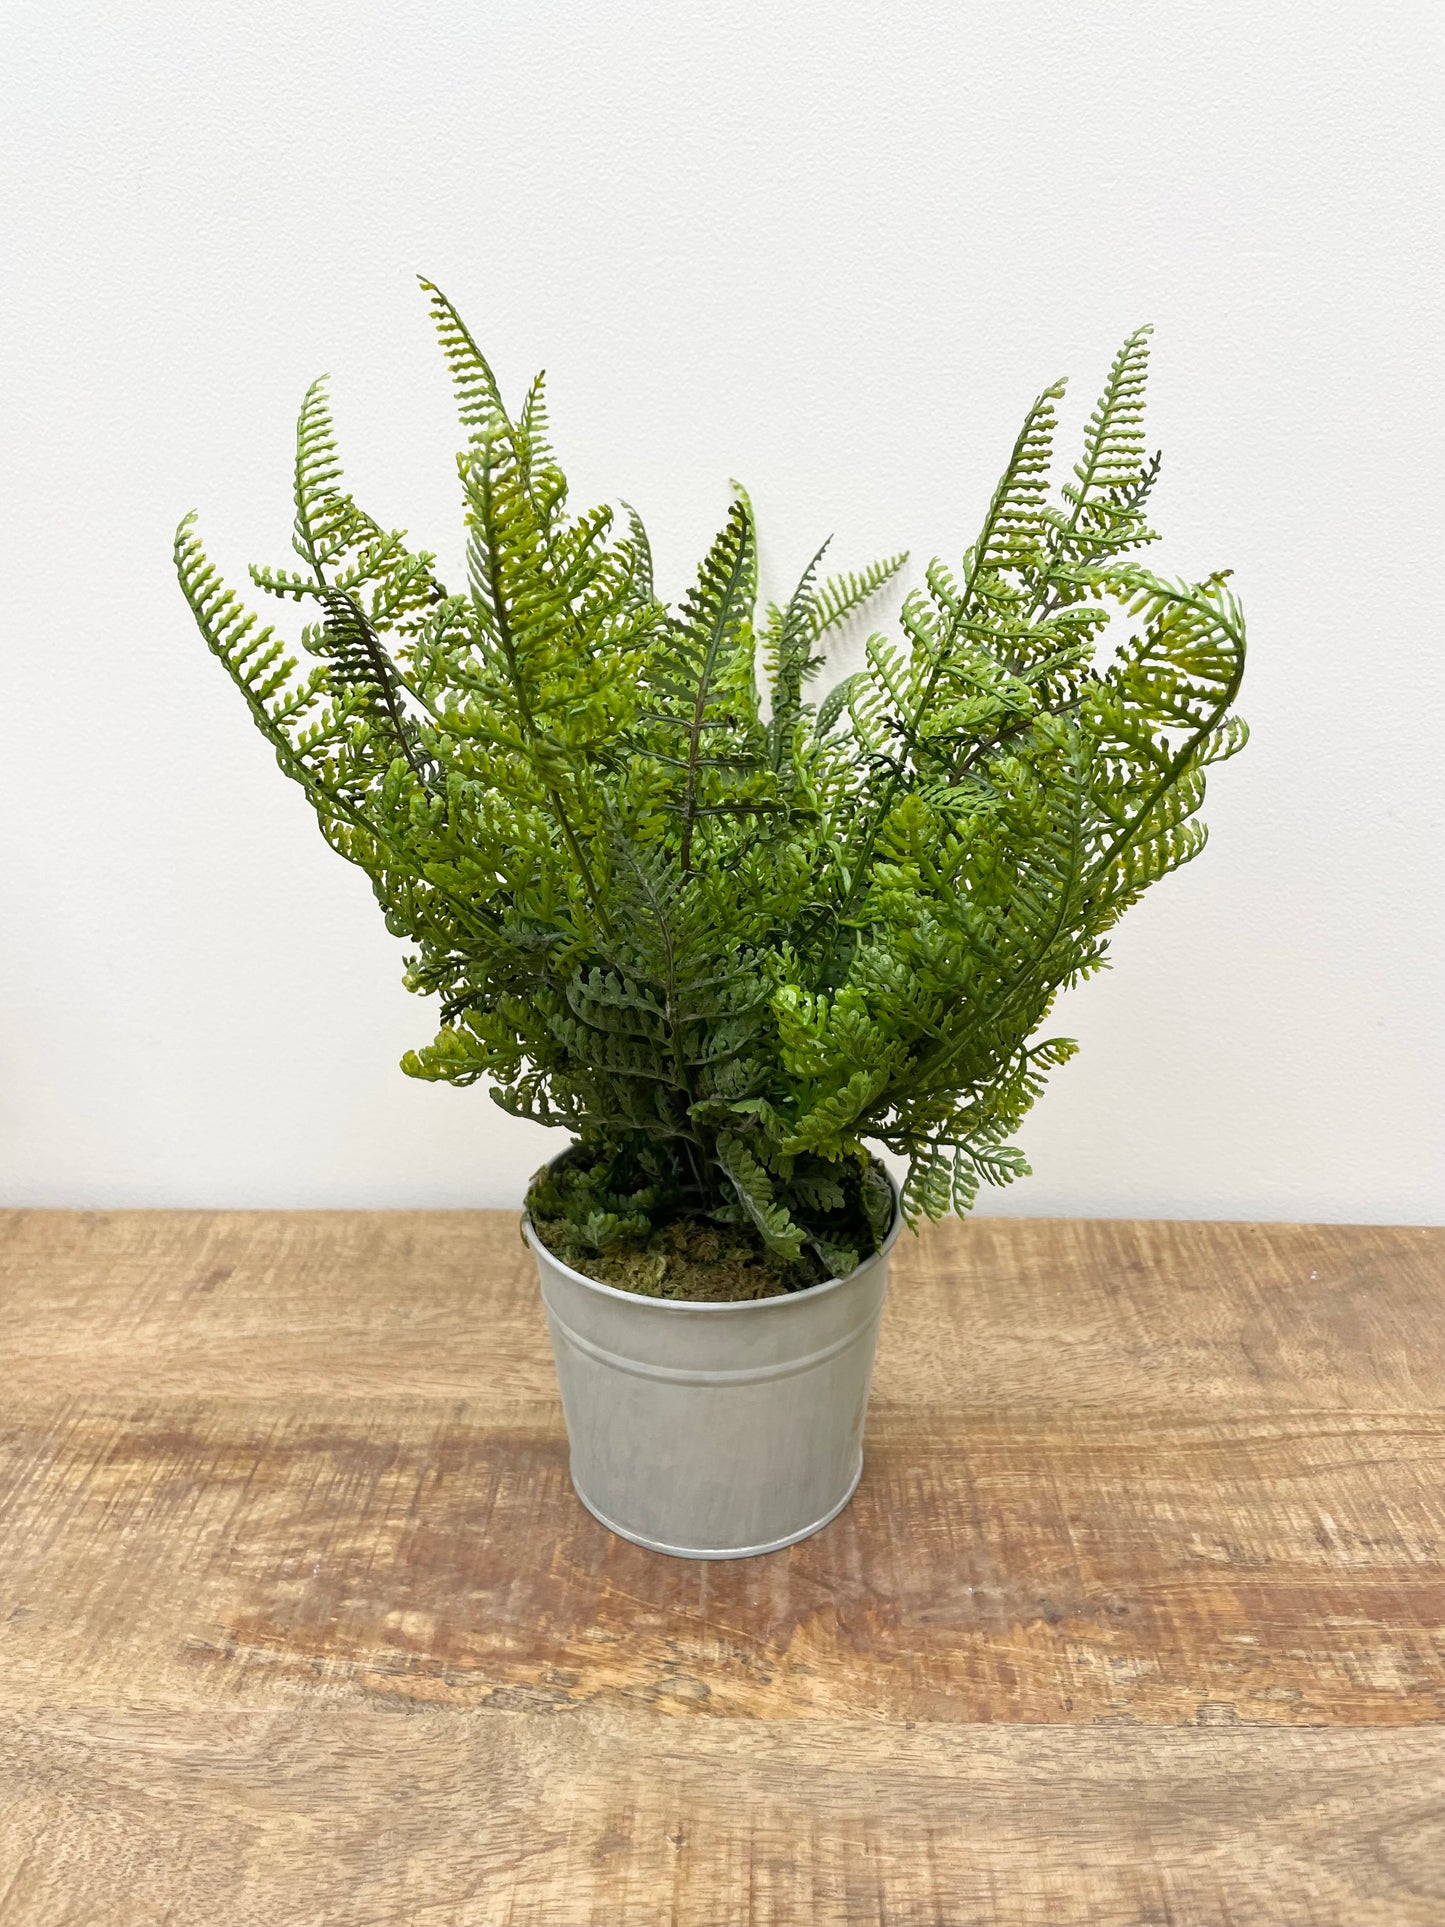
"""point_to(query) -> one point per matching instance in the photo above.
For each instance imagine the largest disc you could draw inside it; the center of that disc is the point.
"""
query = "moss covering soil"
(690, 1259)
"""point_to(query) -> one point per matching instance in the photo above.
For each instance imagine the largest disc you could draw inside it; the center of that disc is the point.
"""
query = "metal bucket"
(714, 1431)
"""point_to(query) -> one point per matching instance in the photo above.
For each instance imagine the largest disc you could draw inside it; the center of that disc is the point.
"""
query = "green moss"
(688, 1259)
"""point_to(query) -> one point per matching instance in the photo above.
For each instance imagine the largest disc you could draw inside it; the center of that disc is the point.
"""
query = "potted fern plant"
(729, 938)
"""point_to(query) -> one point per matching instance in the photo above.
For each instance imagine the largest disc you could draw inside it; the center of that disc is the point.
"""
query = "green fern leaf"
(756, 1196)
(841, 596)
(835, 703)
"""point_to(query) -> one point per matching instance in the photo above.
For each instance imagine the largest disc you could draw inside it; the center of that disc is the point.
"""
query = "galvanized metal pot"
(714, 1431)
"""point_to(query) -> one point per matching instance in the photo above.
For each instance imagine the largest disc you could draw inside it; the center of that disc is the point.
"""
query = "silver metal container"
(714, 1431)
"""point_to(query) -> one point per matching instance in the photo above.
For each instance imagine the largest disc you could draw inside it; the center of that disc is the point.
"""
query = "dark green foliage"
(722, 942)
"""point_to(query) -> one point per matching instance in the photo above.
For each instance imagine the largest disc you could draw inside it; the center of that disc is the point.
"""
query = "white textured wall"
(833, 250)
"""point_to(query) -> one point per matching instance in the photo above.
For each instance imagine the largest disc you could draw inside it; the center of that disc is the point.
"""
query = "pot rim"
(823, 1286)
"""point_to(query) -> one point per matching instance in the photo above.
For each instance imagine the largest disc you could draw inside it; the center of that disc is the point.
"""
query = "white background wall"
(833, 250)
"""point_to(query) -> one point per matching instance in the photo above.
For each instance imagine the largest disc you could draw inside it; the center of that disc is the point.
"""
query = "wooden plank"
(309, 1816)
(1277, 1571)
(999, 1314)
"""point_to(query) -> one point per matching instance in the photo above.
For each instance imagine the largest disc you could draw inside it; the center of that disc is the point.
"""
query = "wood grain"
(313, 1816)
(1138, 1616)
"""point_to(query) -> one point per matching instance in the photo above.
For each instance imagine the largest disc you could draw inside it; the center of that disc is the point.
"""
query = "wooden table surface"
(1138, 1617)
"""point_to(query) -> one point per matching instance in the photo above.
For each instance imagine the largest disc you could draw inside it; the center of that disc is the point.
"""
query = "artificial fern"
(727, 943)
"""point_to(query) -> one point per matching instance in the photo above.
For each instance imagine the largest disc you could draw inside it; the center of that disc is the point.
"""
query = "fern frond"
(532, 422)
(641, 549)
(927, 1190)
(790, 660)
(1113, 454)
(1015, 526)
(755, 1194)
(835, 702)
(841, 596)
(253, 657)
(704, 675)
(479, 399)
(324, 515)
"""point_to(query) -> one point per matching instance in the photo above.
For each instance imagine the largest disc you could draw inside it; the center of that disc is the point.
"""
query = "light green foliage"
(724, 940)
